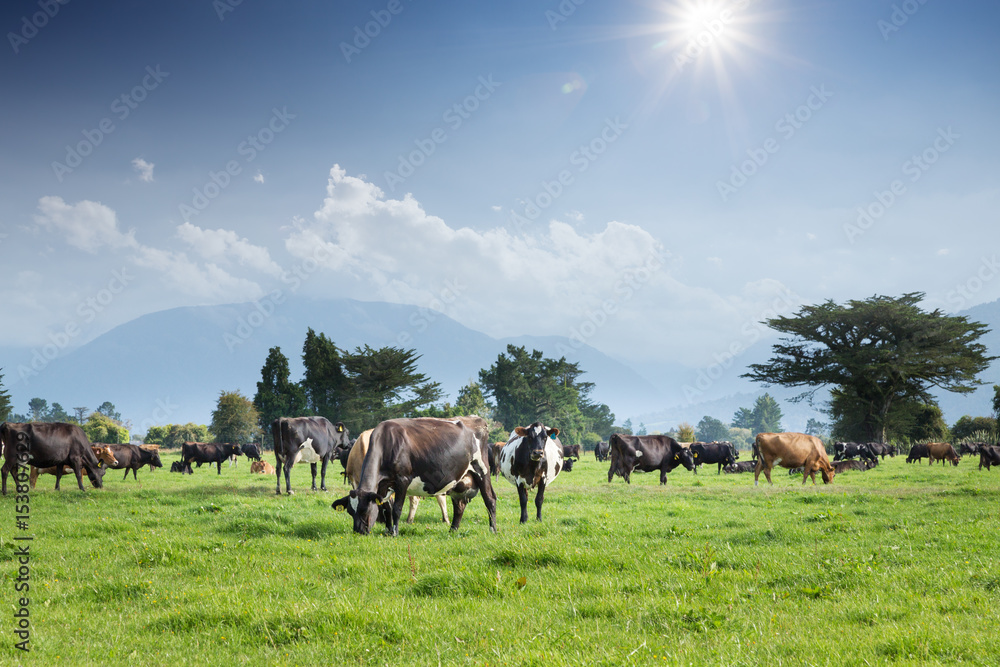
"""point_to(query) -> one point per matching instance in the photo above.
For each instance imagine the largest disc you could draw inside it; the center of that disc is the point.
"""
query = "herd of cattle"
(423, 457)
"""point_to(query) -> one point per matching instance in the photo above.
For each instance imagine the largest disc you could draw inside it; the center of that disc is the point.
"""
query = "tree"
(471, 401)
(57, 414)
(741, 437)
(234, 419)
(276, 395)
(816, 427)
(743, 419)
(766, 416)
(641, 430)
(710, 429)
(39, 408)
(325, 383)
(685, 432)
(385, 384)
(80, 414)
(5, 406)
(996, 402)
(173, 436)
(101, 428)
(107, 409)
(967, 425)
(875, 354)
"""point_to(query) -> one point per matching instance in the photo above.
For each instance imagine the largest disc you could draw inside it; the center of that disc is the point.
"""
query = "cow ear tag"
(339, 508)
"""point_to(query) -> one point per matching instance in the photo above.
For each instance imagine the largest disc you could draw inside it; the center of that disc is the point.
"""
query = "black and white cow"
(532, 458)
(424, 457)
(309, 439)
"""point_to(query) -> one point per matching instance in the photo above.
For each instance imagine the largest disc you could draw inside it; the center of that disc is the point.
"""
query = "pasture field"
(898, 565)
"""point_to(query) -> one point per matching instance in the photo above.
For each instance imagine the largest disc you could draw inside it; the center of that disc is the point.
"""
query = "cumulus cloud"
(259, 177)
(226, 246)
(86, 225)
(144, 169)
(613, 288)
(207, 283)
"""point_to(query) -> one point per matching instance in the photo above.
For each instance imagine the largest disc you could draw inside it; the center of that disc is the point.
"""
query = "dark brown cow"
(45, 445)
(207, 452)
(791, 450)
(601, 451)
(941, 451)
(842, 466)
(310, 439)
(646, 453)
(741, 467)
(571, 451)
(722, 453)
(989, 455)
(917, 452)
(423, 456)
(133, 457)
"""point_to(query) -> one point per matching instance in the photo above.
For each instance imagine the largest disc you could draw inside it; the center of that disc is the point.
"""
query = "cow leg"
(33, 475)
(539, 497)
(611, 474)
(288, 479)
(397, 510)
(59, 474)
(663, 474)
(277, 473)
(126, 474)
(482, 478)
(79, 475)
(312, 467)
(443, 506)
(414, 501)
(522, 496)
(458, 504)
(322, 478)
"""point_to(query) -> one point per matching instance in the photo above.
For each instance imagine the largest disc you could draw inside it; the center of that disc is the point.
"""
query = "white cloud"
(551, 280)
(943, 251)
(87, 225)
(144, 169)
(224, 246)
(259, 177)
(208, 283)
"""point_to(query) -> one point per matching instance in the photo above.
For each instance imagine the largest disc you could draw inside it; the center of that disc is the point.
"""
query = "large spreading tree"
(234, 419)
(880, 358)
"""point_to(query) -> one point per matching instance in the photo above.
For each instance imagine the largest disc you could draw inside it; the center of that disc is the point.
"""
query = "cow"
(309, 439)
(262, 467)
(495, 450)
(568, 465)
(646, 453)
(850, 450)
(971, 448)
(841, 466)
(571, 451)
(880, 449)
(178, 466)
(741, 467)
(989, 455)
(207, 452)
(352, 474)
(132, 457)
(941, 451)
(251, 451)
(722, 453)
(917, 452)
(791, 450)
(423, 457)
(601, 451)
(45, 445)
(532, 458)
(105, 457)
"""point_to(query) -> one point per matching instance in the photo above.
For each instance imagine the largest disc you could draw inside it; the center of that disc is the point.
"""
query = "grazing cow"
(741, 467)
(262, 467)
(989, 455)
(105, 457)
(309, 439)
(178, 466)
(791, 450)
(646, 453)
(917, 452)
(532, 458)
(971, 448)
(207, 452)
(45, 445)
(571, 451)
(133, 457)
(601, 451)
(722, 453)
(424, 457)
(941, 451)
(251, 451)
(352, 474)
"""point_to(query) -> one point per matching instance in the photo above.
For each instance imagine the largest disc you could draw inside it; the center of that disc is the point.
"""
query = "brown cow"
(941, 451)
(791, 450)
(353, 474)
(989, 455)
(262, 467)
(102, 452)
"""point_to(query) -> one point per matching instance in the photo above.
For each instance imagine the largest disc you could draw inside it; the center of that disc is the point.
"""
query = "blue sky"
(694, 167)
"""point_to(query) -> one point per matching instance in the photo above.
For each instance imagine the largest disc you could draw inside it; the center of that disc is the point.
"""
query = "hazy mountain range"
(170, 366)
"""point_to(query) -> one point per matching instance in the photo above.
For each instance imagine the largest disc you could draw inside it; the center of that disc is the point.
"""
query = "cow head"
(364, 507)
(535, 437)
(682, 456)
(154, 460)
(96, 475)
(231, 450)
(104, 455)
(827, 471)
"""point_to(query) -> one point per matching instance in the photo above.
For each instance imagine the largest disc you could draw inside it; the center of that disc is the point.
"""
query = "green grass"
(896, 565)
